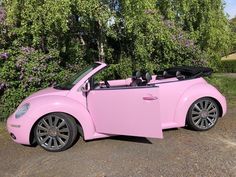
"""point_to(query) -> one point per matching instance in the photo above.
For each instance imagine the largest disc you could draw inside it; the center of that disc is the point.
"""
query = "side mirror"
(84, 90)
(85, 87)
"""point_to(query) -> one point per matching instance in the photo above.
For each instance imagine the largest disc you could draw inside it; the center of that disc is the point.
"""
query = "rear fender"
(192, 94)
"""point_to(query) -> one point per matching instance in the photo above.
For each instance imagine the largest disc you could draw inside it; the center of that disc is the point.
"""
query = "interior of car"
(145, 79)
(140, 78)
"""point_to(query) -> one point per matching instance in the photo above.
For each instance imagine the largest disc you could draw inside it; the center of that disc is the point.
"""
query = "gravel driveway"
(182, 152)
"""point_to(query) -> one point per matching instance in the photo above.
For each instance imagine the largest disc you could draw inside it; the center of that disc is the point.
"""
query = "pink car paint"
(134, 111)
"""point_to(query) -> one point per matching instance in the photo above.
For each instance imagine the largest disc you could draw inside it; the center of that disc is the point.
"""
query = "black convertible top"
(185, 72)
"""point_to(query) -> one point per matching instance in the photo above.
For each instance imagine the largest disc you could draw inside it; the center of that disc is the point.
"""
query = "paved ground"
(182, 152)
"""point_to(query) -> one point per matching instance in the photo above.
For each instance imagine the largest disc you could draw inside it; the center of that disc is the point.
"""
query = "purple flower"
(2, 86)
(30, 79)
(2, 14)
(21, 76)
(18, 65)
(180, 36)
(189, 43)
(4, 55)
(27, 50)
(169, 24)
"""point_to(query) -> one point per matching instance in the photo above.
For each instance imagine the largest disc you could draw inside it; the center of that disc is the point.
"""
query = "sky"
(230, 8)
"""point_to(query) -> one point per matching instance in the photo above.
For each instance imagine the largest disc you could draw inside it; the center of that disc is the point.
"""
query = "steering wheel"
(107, 84)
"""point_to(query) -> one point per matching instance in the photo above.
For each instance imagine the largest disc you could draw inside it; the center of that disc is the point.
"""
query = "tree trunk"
(100, 44)
(101, 52)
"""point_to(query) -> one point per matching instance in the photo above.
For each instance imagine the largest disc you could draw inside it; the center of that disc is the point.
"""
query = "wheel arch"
(193, 94)
(41, 107)
(78, 125)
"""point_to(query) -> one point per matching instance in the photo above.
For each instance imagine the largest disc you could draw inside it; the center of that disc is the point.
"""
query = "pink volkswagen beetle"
(143, 105)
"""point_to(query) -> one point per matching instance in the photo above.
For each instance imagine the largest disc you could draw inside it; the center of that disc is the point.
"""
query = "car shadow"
(170, 129)
(123, 138)
(188, 128)
(131, 139)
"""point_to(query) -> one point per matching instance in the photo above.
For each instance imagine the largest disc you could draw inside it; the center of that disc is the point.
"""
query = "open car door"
(130, 111)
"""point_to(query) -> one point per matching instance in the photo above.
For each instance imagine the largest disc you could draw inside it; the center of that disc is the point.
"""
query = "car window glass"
(68, 84)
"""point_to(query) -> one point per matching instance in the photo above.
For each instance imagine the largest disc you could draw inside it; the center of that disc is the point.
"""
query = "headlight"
(22, 110)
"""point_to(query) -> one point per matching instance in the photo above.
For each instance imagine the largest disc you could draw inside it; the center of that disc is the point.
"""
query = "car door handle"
(150, 98)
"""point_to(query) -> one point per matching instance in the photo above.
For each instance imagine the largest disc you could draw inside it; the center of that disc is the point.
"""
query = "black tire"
(203, 114)
(56, 132)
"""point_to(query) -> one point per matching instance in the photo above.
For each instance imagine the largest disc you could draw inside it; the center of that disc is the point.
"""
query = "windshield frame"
(72, 81)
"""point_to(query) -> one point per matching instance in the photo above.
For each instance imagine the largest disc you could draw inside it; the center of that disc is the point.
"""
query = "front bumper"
(19, 129)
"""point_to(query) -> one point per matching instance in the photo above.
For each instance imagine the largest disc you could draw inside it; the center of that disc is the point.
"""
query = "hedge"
(228, 66)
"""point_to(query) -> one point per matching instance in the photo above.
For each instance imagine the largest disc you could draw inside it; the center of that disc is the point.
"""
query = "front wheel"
(203, 114)
(56, 132)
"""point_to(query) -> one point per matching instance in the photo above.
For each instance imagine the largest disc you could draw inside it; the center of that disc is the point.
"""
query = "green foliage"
(228, 66)
(233, 35)
(38, 22)
(152, 40)
(2, 128)
(42, 42)
(26, 72)
(205, 21)
(226, 85)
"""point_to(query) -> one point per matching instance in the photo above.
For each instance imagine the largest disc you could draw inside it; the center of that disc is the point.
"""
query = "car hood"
(46, 92)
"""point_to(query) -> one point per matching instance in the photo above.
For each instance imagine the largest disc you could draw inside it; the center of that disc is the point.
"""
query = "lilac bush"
(25, 71)
(2, 14)
(2, 88)
(4, 55)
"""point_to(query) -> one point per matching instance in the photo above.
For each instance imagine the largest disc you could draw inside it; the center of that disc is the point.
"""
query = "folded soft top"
(186, 71)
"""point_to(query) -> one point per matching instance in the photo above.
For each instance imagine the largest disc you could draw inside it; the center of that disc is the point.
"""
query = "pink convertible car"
(142, 105)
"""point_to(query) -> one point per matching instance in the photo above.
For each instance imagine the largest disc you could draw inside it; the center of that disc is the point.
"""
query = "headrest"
(136, 74)
(165, 73)
(148, 77)
(178, 73)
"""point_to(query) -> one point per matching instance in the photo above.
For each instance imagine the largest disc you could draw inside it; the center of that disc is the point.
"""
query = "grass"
(1, 116)
(2, 127)
(228, 63)
(226, 85)
(228, 66)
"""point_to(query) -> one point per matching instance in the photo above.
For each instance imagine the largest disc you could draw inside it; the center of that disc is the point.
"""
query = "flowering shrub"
(2, 14)
(27, 71)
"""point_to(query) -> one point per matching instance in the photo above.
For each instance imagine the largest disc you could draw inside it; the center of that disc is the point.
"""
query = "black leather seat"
(146, 78)
(179, 75)
(136, 81)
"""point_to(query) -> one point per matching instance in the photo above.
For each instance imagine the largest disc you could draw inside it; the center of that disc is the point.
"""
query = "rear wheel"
(203, 114)
(56, 132)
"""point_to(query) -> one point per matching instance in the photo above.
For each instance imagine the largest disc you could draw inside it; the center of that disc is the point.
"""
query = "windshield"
(71, 82)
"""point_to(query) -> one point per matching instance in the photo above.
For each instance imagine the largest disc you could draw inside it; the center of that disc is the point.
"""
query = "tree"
(205, 21)
(233, 38)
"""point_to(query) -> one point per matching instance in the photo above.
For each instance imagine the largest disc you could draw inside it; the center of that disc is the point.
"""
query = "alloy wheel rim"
(52, 132)
(204, 114)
